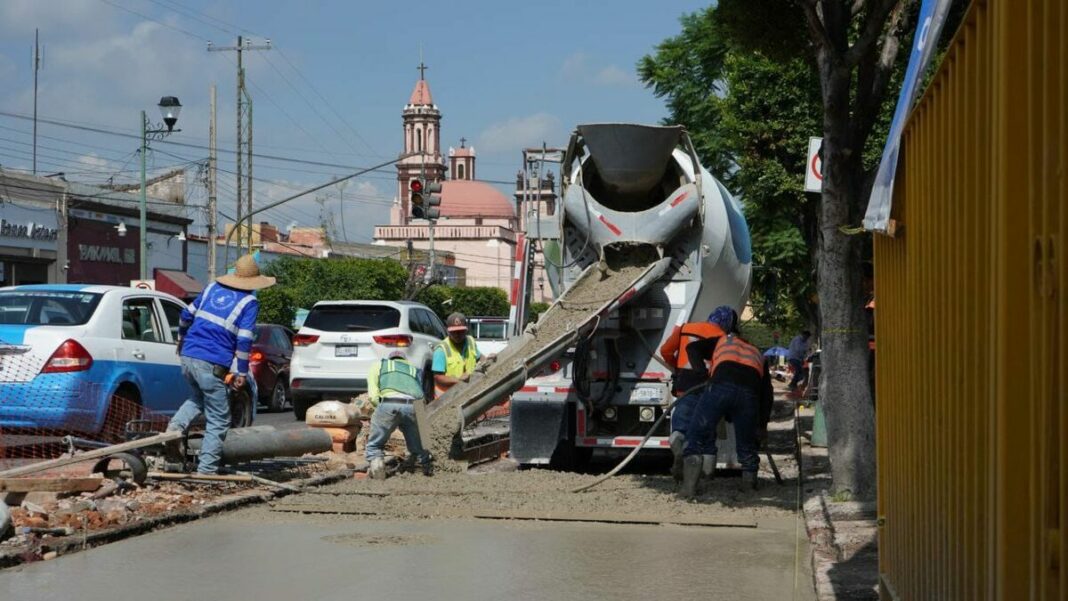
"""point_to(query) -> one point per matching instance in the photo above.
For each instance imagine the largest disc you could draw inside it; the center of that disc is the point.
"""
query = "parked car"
(269, 364)
(340, 340)
(67, 350)
(491, 333)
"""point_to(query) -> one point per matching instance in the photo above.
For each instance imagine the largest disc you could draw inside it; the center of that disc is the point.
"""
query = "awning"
(178, 283)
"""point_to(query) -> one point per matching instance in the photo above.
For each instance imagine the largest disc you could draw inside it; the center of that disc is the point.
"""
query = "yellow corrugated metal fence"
(970, 320)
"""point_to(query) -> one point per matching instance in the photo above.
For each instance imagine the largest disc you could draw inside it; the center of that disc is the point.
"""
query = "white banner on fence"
(932, 18)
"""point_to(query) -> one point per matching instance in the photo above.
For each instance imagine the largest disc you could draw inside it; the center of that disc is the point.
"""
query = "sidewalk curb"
(69, 544)
(841, 534)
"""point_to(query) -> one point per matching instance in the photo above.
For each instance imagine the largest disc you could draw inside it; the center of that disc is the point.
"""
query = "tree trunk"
(844, 386)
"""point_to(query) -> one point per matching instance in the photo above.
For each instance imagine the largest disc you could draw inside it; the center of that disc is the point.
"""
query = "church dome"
(466, 198)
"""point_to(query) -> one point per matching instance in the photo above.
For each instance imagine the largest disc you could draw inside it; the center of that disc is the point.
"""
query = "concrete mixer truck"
(647, 239)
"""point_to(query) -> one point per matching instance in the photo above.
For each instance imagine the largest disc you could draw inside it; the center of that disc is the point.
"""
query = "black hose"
(641, 445)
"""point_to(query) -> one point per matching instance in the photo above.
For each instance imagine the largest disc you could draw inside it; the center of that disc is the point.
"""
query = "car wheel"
(300, 407)
(123, 407)
(240, 408)
(277, 402)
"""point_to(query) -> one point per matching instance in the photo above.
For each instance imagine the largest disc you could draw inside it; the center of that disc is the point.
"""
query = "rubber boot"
(377, 471)
(750, 480)
(708, 466)
(691, 473)
(428, 468)
(678, 443)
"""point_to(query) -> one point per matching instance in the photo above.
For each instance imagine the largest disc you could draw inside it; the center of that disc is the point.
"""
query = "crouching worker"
(688, 351)
(394, 387)
(739, 390)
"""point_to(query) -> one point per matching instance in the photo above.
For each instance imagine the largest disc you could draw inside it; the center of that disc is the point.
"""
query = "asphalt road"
(281, 421)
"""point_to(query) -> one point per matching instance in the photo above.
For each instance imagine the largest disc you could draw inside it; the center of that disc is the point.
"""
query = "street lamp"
(169, 108)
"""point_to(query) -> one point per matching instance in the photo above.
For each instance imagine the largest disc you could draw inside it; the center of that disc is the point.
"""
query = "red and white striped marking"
(547, 389)
(622, 442)
(608, 224)
(674, 203)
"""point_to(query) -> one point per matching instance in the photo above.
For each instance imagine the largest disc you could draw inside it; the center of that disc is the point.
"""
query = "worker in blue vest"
(739, 389)
(216, 328)
(395, 386)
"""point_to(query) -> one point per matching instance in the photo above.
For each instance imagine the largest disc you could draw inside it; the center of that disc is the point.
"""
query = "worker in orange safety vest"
(688, 352)
(740, 391)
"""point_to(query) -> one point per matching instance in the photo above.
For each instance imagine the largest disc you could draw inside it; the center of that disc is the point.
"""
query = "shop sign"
(26, 227)
(29, 230)
(98, 253)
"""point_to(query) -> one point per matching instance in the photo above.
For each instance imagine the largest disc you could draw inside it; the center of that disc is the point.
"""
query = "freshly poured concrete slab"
(260, 556)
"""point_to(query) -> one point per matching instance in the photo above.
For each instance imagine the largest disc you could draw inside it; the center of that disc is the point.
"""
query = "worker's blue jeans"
(211, 398)
(737, 403)
(385, 420)
(682, 413)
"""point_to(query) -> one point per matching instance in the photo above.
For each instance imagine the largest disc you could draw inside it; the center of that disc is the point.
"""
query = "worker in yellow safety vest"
(455, 357)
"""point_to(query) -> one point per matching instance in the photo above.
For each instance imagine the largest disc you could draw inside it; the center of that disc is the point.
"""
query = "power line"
(148, 18)
(326, 102)
(4, 185)
(113, 132)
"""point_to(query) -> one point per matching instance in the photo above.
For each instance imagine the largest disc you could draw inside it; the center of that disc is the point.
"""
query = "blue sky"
(504, 74)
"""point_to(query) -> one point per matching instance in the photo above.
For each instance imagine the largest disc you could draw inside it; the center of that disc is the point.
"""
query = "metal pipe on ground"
(262, 442)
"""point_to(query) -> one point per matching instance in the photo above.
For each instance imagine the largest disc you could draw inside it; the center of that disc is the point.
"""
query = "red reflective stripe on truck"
(564, 389)
(611, 226)
(681, 198)
(528, 389)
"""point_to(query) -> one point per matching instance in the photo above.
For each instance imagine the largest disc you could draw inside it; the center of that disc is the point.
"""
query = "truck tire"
(568, 457)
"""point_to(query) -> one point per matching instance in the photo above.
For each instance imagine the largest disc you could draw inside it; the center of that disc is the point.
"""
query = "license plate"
(345, 350)
(645, 395)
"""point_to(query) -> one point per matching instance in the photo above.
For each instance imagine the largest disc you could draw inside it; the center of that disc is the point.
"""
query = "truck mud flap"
(537, 426)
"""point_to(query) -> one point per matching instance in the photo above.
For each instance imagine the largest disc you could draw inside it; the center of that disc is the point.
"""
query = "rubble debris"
(58, 484)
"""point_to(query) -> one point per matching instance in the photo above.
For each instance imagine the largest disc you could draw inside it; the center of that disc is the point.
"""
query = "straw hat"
(246, 276)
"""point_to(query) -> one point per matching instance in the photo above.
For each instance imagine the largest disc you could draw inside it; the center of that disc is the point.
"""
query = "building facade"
(478, 224)
(53, 231)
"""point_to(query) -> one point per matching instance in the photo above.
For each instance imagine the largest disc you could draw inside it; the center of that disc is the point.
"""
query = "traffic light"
(432, 200)
(416, 199)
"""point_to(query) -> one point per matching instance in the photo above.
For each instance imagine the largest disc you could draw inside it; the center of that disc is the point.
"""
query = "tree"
(750, 117)
(854, 46)
(757, 79)
(480, 301)
(311, 280)
(277, 306)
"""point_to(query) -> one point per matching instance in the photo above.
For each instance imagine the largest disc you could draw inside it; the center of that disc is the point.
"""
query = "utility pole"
(36, 68)
(212, 210)
(244, 159)
(341, 208)
(248, 188)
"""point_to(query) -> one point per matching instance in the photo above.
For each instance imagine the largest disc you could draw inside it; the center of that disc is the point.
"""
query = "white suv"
(340, 340)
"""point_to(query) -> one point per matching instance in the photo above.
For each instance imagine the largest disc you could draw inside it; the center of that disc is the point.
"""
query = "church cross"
(422, 70)
(463, 141)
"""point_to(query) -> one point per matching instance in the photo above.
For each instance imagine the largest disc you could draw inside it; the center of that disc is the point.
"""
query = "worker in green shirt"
(394, 387)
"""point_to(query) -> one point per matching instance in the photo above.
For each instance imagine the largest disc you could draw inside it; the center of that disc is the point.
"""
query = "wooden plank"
(211, 477)
(61, 484)
(33, 468)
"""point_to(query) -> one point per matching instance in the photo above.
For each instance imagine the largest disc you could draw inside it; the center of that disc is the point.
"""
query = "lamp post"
(169, 108)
